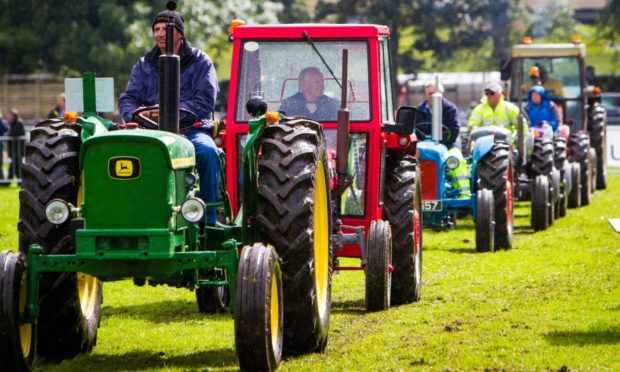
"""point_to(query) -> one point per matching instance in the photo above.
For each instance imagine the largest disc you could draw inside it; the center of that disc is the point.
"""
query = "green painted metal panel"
(180, 149)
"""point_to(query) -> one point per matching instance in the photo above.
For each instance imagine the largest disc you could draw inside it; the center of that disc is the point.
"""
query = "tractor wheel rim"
(88, 288)
(274, 312)
(25, 330)
(321, 240)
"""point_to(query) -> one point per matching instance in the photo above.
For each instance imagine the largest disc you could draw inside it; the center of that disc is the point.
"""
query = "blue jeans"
(209, 168)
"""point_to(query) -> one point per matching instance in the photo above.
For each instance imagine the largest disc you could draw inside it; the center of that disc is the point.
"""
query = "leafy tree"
(609, 24)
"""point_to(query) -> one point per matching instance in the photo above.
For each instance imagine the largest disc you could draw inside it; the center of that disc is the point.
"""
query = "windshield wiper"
(309, 40)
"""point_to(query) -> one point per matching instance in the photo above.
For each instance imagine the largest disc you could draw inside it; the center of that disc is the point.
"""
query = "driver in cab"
(198, 90)
(450, 118)
(310, 101)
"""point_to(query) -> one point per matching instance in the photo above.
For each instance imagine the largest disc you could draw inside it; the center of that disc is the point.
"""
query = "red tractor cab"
(376, 197)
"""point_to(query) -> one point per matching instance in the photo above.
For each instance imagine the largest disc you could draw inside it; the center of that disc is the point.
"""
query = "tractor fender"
(482, 147)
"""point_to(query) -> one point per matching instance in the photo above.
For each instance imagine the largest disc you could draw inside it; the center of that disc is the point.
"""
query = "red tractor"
(340, 77)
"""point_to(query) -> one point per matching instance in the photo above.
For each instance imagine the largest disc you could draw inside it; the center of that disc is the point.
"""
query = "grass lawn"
(552, 301)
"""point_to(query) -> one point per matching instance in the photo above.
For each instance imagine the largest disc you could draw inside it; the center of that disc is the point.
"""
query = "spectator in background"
(59, 110)
(15, 147)
(4, 126)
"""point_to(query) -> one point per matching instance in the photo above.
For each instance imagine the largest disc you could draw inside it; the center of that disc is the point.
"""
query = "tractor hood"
(180, 150)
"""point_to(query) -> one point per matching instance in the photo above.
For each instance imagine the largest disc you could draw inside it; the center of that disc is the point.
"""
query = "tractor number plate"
(431, 205)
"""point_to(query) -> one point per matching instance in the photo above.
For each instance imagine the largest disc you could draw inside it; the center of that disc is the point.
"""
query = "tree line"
(67, 37)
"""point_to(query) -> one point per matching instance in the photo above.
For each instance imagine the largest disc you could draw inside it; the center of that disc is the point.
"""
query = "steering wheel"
(446, 135)
(149, 123)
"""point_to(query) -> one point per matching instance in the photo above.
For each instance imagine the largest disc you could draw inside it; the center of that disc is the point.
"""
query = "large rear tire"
(259, 309)
(70, 303)
(540, 203)
(402, 209)
(294, 215)
(542, 159)
(17, 341)
(378, 262)
(597, 126)
(495, 174)
(485, 221)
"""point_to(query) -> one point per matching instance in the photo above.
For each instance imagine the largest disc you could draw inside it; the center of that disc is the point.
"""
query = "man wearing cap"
(493, 109)
(199, 88)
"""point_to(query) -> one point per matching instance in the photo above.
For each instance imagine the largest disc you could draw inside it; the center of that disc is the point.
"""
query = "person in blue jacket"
(540, 109)
(198, 92)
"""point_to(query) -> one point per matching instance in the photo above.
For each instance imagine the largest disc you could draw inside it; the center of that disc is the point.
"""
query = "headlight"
(57, 211)
(190, 179)
(452, 162)
(193, 210)
(403, 141)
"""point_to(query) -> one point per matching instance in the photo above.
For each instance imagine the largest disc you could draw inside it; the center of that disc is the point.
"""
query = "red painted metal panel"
(428, 171)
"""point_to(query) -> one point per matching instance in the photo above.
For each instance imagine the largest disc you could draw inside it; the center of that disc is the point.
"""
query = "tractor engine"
(125, 172)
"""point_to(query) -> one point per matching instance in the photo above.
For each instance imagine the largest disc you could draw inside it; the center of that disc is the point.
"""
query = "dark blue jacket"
(198, 84)
(450, 116)
(545, 112)
(326, 107)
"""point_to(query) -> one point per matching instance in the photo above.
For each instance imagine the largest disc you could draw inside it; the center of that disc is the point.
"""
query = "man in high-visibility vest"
(450, 116)
(493, 109)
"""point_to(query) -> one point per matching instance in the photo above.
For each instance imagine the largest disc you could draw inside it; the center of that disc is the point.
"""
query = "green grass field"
(553, 301)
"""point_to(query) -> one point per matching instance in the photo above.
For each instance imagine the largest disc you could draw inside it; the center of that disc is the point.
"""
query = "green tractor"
(104, 202)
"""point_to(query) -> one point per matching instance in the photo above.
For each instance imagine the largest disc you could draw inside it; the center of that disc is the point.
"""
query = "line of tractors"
(102, 201)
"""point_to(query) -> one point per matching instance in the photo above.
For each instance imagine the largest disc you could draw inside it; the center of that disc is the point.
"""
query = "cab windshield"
(559, 76)
(291, 77)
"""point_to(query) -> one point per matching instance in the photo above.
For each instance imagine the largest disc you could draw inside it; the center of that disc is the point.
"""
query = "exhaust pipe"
(169, 83)
(437, 112)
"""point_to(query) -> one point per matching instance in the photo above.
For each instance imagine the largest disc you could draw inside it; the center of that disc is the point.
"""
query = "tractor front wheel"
(540, 203)
(579, 145)
(485, 221)
(495, 174)
(402, 209)
(378, 266)
(259, 309)
(17, 341)
(212, 299)
(574, 196)
(597, 127)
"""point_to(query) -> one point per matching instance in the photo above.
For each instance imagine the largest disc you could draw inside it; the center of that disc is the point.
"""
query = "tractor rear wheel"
(378, 262)
(598, 140)
(579, 144)
(294, 215)
(70, 303)
(495, 174)
(542, 160)
(402, 209)
(17, 341)
(540, 203)
(574, 196)
(485, 221)
(259, 309)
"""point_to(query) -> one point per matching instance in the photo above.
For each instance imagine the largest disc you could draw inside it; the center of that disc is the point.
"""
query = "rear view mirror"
(504, 68)
(405, 120)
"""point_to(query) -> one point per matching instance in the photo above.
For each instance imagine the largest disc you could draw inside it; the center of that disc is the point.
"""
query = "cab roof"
(316, 31)
(549, 50)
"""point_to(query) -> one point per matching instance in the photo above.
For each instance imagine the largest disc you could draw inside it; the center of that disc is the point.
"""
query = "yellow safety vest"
(505, 115)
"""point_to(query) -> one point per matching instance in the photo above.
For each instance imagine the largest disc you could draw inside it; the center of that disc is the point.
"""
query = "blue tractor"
(490, 200)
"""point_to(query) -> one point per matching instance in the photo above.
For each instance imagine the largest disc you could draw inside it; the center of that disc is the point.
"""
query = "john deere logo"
(124, 168)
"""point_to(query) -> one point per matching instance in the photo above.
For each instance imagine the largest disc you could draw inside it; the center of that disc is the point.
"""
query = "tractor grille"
(429, 179)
